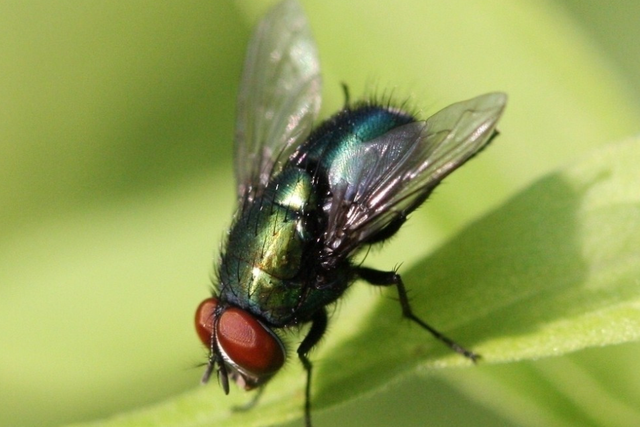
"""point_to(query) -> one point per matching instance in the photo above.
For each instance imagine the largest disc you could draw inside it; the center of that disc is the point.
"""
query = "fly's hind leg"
(388, 231)
(391, 278)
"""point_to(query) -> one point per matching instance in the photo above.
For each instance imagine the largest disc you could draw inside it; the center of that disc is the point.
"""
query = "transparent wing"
(390, 176)
(279, 96)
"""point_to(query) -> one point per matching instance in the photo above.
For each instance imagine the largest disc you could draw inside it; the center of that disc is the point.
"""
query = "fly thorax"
(284, 219)
(264, 257)
(293, 190)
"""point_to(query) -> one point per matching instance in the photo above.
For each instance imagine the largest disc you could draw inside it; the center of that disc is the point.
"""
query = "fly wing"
(279, 96)
(390, 176)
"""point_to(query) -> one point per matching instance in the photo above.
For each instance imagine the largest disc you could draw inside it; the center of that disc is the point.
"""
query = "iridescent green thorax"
(266, 268)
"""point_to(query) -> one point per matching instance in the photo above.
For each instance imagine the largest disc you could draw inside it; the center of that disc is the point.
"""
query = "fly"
(309, 200)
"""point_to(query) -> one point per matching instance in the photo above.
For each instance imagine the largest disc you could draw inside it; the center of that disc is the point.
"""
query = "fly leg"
(318, 327)
(388, 231)
(391, 278)
(250, 404)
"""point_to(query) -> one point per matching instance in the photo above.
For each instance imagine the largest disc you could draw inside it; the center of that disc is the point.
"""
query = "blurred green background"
(116, 187)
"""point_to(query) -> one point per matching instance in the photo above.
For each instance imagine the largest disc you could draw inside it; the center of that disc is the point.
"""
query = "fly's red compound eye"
(204, 320)
(249, 344)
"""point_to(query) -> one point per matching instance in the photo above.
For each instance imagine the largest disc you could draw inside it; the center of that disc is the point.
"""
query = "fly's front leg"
(391, 278)
(318, 328)
(250, 404)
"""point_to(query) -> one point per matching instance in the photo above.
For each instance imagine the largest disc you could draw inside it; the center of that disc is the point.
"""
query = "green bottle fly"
(309, 200)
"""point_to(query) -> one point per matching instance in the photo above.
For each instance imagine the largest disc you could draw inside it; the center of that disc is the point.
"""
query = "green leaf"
(552, 271)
